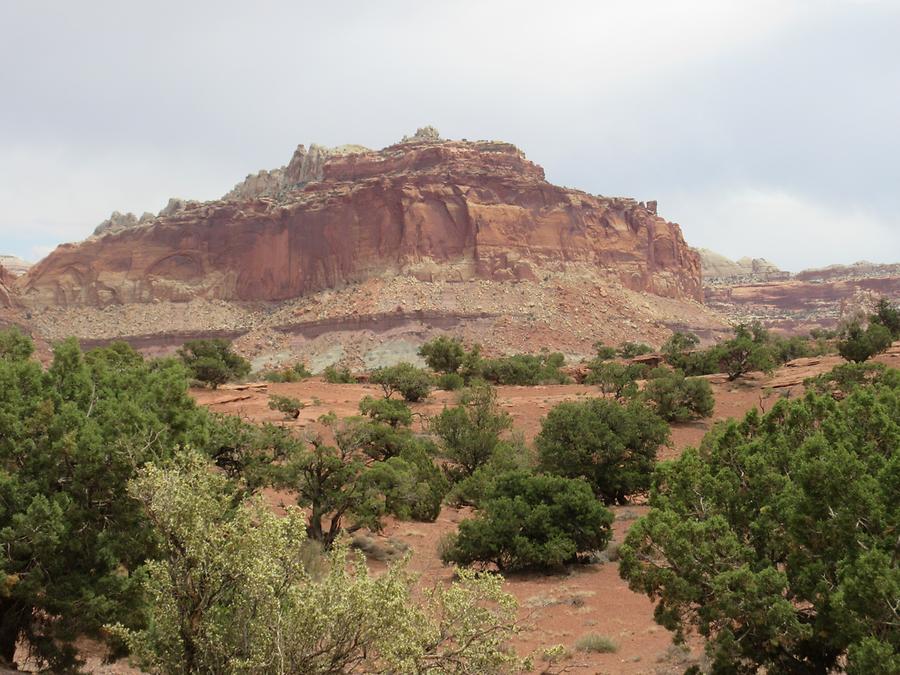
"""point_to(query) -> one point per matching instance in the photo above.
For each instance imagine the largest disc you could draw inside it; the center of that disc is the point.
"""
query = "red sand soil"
(556, 609)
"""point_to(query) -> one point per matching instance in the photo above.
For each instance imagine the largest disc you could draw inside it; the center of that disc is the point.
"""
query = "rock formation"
(796, 303)
(13, 265)
(717, 268)
(427, 208)
(7, 279)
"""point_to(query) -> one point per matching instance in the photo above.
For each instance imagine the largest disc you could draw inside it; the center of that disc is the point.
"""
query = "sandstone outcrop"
(717, 268)
(426, 208)
(814, 298)
(13, 265)
(7, 279)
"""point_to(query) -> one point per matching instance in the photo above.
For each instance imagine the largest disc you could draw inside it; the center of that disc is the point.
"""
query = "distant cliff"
(425, 207)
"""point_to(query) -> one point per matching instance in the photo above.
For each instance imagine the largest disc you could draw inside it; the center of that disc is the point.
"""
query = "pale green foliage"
(230, 594)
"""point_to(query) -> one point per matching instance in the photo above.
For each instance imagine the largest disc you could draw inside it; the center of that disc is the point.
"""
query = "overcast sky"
(765, 128)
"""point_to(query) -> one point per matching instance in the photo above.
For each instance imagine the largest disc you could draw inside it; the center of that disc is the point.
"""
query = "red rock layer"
(435, 209)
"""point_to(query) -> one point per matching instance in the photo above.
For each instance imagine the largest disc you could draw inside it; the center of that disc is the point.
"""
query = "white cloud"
(787, 229)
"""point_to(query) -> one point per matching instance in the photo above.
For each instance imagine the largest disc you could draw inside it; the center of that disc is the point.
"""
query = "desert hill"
(344, 250)
(795, 303)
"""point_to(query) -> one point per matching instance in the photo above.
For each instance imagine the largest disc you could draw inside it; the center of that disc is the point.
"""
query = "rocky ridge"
(14, 265)
(797, 303)
(349, 253)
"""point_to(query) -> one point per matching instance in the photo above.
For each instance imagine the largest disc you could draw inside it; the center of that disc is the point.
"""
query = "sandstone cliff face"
(427, 208)
(717, 268)
(13, 265)
(7, 279)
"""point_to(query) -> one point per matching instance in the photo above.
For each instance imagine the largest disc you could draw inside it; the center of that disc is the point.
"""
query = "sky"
(766, 128)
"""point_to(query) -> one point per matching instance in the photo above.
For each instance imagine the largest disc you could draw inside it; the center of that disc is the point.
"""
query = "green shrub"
(413, 384)
(617, 379)
(848, 376)
(887, 314)
(15, 345)
(777, 539)
(525, 369)
(450, 381)
(594, 642)
(747, 351)
(230, 593)
(531, 521)
(629, 350)
(677, 398)
(604, 352)
(338, 375)
(506, 456)
(412, 486)
(71, 437)
(469, 433)
(295, 373)
(213, 362)
(610, 445)
(859, 344)
(289, 407)
(387, 411)
(443, 354)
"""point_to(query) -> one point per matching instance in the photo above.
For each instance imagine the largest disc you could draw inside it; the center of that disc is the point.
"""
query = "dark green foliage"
(70, 439)
(508, 455)
(677, 398)
(777, 540)
(617, 379)
(450, 381)
(612, 446)
(289, 407)
(295, 373)
(531, 521)
(338, 375)
(859, 344)
(413, 384)
(14, 345)
(387, 411)
(525, 369)
(413, 487)
(747, 351)
(604, 352)
(443, 354)
(629, 350)
(887, 314)
(681, 352)
(246, 452)
(846, 377)
(469, 432)
(331, 483)
(213, 362)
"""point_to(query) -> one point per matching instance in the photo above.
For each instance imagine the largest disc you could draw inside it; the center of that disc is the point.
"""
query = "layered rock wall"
(425, 207)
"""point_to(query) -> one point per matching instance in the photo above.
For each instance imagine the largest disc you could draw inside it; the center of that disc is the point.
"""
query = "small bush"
(413, 486)
(213, 362)
(387, 411)
(593, 642)
(887, 314)
(469, 433)
(610, 445)
(443, 354)
(604, 352)
(677, 398)
(859, 344)
(531, 521)
(295, 373)
(629, 350)
(450, 381)
(617, 379)
(413, 384)
(338, 375)
(525, 369)
(290, 407)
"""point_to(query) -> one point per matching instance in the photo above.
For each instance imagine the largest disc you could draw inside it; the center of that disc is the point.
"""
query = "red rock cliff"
(429, 208)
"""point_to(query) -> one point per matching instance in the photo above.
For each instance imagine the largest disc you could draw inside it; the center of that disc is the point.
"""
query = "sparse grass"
(375, 548)
(594, 642)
